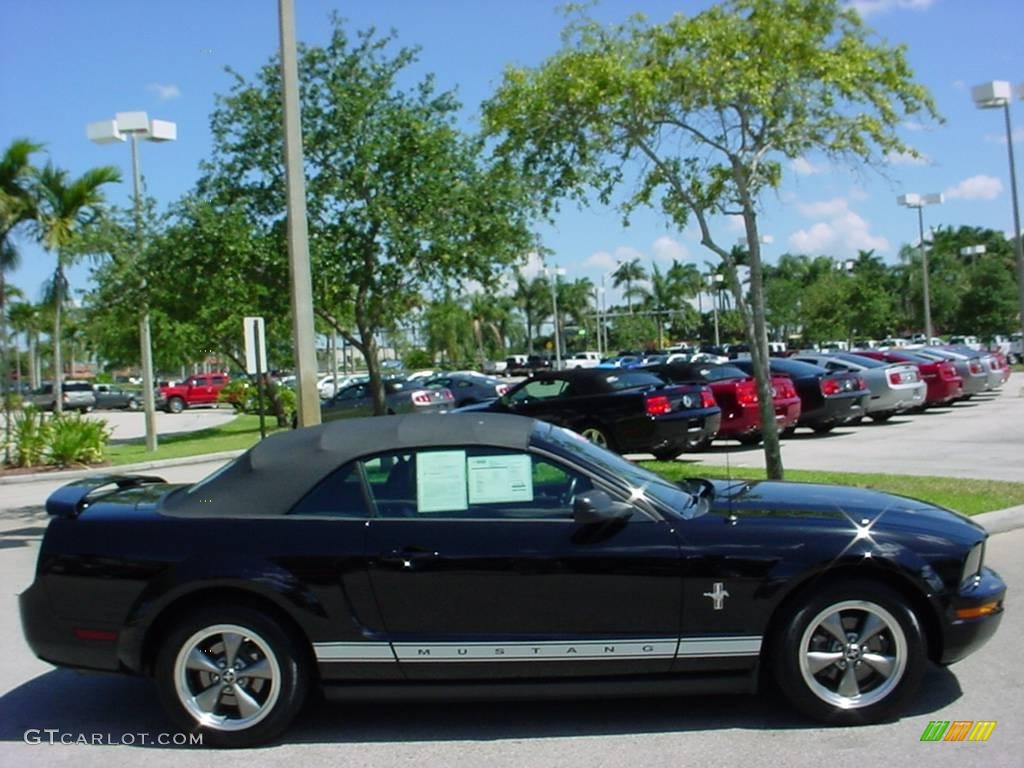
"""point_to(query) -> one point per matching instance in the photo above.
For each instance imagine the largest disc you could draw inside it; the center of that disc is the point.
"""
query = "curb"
(1001, 520)
(77, 474)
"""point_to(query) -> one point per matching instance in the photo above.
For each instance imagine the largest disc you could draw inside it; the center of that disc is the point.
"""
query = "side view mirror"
(598, 507)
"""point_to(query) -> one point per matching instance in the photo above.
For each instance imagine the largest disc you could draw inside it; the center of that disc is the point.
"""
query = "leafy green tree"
(65, 208)
(575, 304)
(989, 306)
(400, 202)
(697, 114)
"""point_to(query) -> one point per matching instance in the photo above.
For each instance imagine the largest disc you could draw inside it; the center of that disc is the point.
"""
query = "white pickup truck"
(583, 360)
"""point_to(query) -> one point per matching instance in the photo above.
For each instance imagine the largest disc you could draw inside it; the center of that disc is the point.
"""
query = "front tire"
(232, 674)
(851, 653)
(175, 405)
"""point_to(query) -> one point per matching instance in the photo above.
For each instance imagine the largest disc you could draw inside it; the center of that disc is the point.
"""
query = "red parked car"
(944, 383)
(735, 392)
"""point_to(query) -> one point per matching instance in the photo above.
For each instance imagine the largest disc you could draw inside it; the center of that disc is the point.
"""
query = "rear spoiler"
(69, 500)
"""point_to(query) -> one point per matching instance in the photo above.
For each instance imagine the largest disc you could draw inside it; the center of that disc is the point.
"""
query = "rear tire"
(232, 674)
(823, 429)
(788, 432)
(752, 439)
(848, 654)
(881, 418)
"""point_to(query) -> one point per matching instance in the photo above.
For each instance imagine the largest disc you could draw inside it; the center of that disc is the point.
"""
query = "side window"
(340, 494)
(472, 483)
(219, 380)
(542, 389)
(834, 366)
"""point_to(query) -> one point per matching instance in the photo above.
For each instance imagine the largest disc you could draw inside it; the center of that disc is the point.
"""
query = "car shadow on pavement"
(121, 707)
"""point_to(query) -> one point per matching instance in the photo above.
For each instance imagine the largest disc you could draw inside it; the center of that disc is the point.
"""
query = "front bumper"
(961, 637)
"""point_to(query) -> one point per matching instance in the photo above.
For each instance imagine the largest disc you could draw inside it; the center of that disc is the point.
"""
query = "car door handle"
(408, 558)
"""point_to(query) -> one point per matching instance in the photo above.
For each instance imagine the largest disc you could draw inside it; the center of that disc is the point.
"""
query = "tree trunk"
(376, 384)
(758, 339)
(58, 363)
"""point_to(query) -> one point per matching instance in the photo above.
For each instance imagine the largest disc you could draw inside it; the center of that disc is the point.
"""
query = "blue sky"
(64, 63)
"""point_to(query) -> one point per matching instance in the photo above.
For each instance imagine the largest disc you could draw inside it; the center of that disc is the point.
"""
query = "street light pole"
(298, 233)
(553, 273)
(991, 95)
(137, 125)
(913, 200)
(715, 283)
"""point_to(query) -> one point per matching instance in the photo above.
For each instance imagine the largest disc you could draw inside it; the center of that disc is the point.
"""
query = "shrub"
(277, 400)
(76, 440)
(31, 431)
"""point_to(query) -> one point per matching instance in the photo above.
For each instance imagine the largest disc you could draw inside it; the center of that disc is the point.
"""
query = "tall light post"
(138, 126)
(715, 281)
(553, 273)
(298, 234)
(914, 200)
(993, 95)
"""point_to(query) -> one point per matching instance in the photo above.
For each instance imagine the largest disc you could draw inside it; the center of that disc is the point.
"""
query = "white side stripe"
(542, 650)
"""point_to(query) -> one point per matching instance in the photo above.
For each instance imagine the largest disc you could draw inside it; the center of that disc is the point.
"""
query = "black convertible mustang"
(482, 555)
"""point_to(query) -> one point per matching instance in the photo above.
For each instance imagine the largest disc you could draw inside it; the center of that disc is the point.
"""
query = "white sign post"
(256, 359)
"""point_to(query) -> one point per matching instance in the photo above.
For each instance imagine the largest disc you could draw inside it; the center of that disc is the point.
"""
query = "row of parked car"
(83, 396)
(669, 405)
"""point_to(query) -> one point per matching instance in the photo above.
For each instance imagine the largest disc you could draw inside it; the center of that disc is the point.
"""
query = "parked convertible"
(484, 555)
(628, 411)
(895, 387)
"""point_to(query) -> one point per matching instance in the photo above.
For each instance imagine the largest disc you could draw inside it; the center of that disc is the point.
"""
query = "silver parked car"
(75, 396)
(894, 387)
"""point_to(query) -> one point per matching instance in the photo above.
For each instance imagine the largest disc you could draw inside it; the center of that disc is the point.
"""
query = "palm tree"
(532, 297)
(574, 302)
(23, 317)
(627, 274)
(66, 207)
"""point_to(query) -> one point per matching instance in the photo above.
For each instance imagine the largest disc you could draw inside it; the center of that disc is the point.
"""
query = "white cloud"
(824, 209)
(980, 187)
(871, 7)
(735, 222)
(907, 158)
(842, 234)
(606, 261)
(164, 92)
(667, 249)
(858, 193)
(1000, 138)
(913, 125)
(533, 266)
(804, 167)
(959, 85)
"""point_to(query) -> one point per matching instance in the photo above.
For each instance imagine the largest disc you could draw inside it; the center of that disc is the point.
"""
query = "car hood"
(808, 501)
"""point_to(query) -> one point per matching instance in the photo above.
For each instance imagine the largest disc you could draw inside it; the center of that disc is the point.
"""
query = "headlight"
(972, 564)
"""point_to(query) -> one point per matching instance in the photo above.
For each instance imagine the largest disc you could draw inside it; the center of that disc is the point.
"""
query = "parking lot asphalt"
(748, 731)
(982, 438)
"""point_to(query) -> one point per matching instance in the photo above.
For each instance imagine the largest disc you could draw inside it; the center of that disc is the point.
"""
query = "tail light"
(657, 405)
(861, 384)
(785, 388)
(501, 389)
(947, 371)
(746, 392)
(830, 387)
(895, 377)
(975, 367)
(707, 399)
(421, 398)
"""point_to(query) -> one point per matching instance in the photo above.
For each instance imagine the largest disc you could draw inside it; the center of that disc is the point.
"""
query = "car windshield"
(631, 380)
(643, 483)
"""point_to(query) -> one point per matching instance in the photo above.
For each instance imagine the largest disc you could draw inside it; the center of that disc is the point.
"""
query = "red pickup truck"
(199, 389)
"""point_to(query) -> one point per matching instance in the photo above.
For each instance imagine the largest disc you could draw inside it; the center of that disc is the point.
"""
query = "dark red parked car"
(735, 392)
(944, 383)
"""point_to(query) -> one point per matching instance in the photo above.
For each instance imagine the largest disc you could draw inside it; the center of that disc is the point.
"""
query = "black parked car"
(400, 396)
(624, 410)
(481, 555)
(519, 366)
(827, 398)
(111, 396)
(468, 387)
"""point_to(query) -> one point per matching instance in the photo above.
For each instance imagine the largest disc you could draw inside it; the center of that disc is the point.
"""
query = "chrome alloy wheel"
(227, 677)
(596, 436)
(853, 654)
